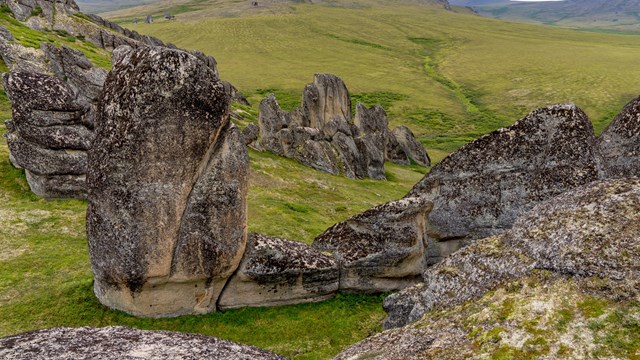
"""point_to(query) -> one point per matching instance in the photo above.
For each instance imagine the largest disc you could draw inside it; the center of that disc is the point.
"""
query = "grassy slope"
(45, 278)
(460, 75)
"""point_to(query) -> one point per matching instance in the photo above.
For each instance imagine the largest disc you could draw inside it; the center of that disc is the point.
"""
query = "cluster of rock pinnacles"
(166, 173)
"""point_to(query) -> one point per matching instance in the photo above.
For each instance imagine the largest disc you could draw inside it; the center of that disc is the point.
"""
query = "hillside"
(605, 15)
(449, 76)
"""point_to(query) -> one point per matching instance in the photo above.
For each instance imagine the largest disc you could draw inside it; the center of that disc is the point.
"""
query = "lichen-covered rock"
(619, 144)
(395, 152)
(272, 119)
(276, 271)
(48, 135)
(167, 179)
(381, 249)
(589, 232)
(117, 342)
(410, 146)
(480, 190)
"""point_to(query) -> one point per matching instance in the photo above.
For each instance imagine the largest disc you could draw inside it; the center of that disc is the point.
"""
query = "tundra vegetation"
(449, 76)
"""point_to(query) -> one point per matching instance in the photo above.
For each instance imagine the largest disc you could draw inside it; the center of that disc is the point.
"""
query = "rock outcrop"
(167, 179)
(117, 342)
(50, 143)
(276, 271)
(53, 112)
(619, 144)
(322, 135)
(380, 249)
(480, 189)
(583, 243)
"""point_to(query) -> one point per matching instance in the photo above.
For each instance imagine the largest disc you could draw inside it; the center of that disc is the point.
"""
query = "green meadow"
(449, 76)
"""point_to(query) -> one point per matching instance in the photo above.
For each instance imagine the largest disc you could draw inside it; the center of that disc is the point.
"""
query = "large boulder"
(589, 232)
(373, 126)
(553, 285)
(276, 271)
(381, 249)
(324, 100)
(480, 190)
(619, 144)
(167, 179)
(117, 342)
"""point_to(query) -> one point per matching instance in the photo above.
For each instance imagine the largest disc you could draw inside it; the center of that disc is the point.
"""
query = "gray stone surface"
(579, 246)
(276, 271)
(381, 249)
(619, 144)
(87, 343)
(165, 153)
(591, 231)
(322, 135)
(410, 146)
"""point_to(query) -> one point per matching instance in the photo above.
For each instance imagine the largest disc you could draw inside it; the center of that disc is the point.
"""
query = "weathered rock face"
(580, 247)
(276, 271)
(49, 134)
(381, 249)
(22, 9)
(480, 190)
(619, 144)
(322, 135)
(86, 343)
(592, 231)
(410, 146)
(167, 182)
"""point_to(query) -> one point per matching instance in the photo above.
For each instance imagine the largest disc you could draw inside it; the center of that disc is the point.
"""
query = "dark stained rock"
(352, 160)
(395, 152)
(276, 271)
(619, 144)
(589, 232)
(272, 119)
(44, 161)
(87, 343)
(250, 133)
(483, 187)
(373, 127)
(48, 135)
(381, 249)
(165, 154)
(412, 147)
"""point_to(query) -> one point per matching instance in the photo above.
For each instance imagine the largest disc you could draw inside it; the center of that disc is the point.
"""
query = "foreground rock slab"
(381, 249)
(586, 233)
(530, 290)
(276, 271)
(86, 343)
(167, 179)
(619, 144)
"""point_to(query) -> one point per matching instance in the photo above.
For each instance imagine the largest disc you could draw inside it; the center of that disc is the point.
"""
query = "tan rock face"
(167, 182)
